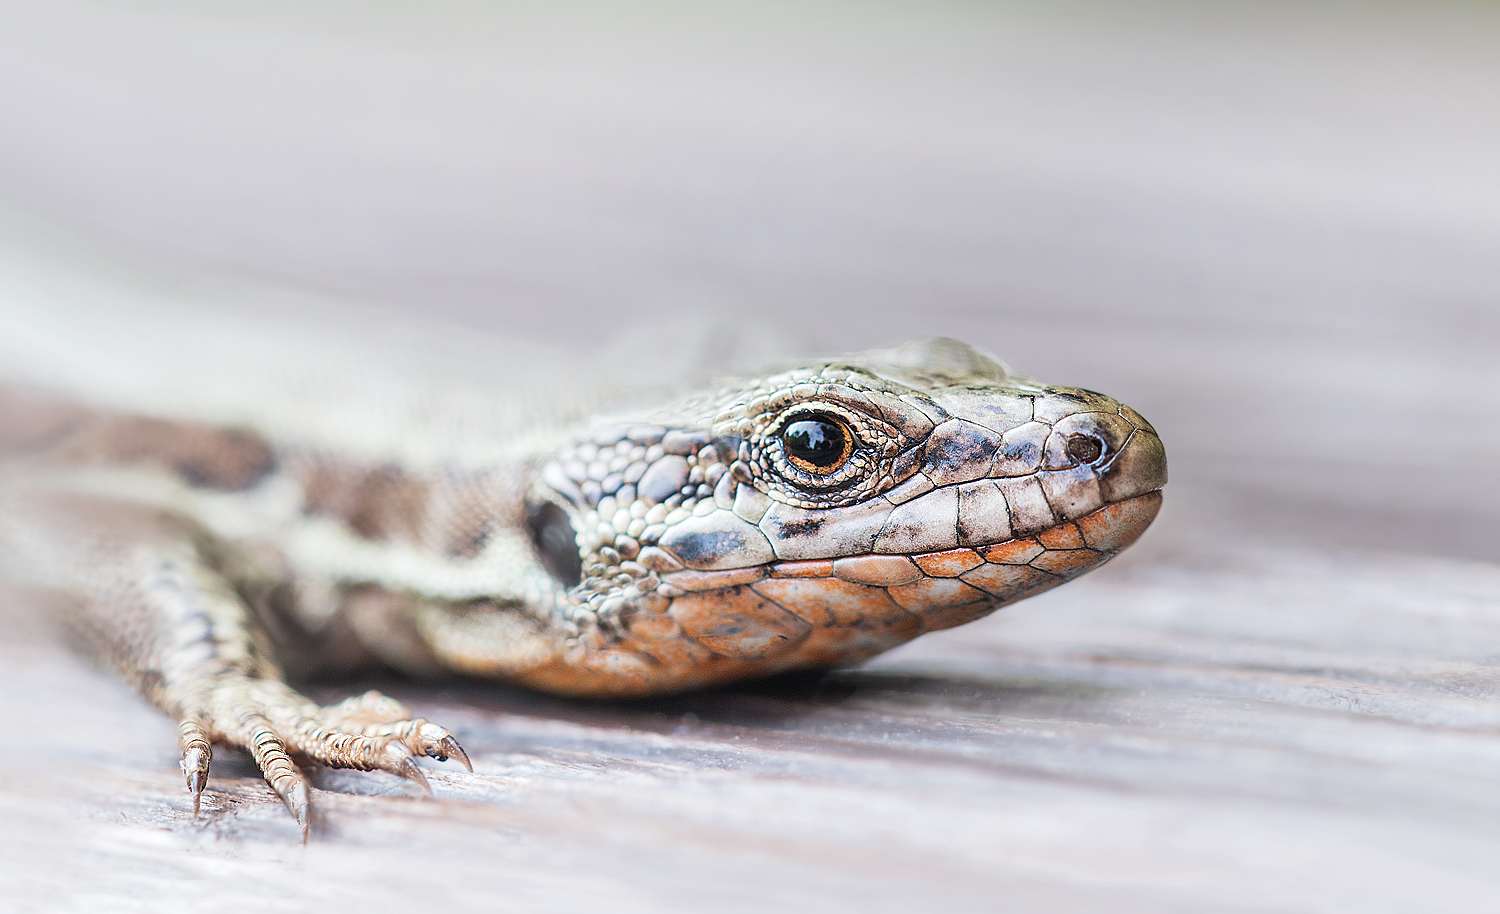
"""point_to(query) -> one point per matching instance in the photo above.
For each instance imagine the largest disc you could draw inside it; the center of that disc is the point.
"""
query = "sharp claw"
(296, 802)
(449, 748)
(409, 770)
(195, 767)
(196, 782)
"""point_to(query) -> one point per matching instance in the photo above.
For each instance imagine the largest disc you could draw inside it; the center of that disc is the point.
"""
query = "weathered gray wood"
(1271, 228)
(1222, 728)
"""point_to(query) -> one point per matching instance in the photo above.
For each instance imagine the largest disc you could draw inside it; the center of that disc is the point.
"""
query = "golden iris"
(817, 443)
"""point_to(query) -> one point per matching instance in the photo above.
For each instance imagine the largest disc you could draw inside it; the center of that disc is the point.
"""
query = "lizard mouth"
(1007, 569)
(939, 589)
(698, 628)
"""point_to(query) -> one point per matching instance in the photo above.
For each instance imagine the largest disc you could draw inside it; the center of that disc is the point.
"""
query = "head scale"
(822, 515)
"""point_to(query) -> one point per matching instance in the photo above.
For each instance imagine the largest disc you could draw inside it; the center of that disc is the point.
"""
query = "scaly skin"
(805, 519)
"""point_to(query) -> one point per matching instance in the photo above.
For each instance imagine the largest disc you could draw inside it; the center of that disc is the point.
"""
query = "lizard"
(800, 519)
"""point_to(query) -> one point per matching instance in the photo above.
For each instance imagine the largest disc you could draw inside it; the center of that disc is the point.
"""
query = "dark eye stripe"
(817, 443)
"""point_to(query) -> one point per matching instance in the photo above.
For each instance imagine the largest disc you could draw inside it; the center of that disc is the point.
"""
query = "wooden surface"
(1270, 228)
(1226, 729)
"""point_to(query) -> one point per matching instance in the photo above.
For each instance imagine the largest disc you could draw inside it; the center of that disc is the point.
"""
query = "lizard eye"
(818, 443)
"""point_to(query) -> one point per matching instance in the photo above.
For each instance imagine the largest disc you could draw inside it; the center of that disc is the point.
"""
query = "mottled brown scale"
(387, 504)
(378, 503)
(209, 457)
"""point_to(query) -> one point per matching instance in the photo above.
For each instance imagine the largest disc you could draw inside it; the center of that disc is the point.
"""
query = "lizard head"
(822, 515)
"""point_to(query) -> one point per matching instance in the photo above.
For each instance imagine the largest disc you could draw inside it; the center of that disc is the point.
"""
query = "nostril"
(1084, 448)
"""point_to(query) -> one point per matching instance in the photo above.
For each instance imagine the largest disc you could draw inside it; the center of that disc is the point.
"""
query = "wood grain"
(1270, 227)
(1240, 727)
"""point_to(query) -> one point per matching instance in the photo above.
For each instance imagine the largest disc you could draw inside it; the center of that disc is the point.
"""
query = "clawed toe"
(195, 767)
(436, 742)
(359, 733)
(196, 755)
(447, 748)
(368, 732)
(409, 770)
(296, 802)
(425, 738)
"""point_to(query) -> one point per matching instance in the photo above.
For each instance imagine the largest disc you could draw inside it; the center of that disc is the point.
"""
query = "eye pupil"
(816, 443)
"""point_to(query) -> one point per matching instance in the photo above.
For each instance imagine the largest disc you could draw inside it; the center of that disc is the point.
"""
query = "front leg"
(155, 609)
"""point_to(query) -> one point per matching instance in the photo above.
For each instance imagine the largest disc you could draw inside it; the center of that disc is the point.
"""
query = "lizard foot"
(367, 732)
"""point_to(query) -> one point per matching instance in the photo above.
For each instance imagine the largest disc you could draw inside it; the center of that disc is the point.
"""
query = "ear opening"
(556, 542)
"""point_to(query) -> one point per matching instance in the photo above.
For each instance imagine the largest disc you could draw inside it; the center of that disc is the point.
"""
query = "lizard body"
(801, 519)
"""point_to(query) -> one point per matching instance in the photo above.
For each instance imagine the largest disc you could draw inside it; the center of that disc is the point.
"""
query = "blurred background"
(1272, 227)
